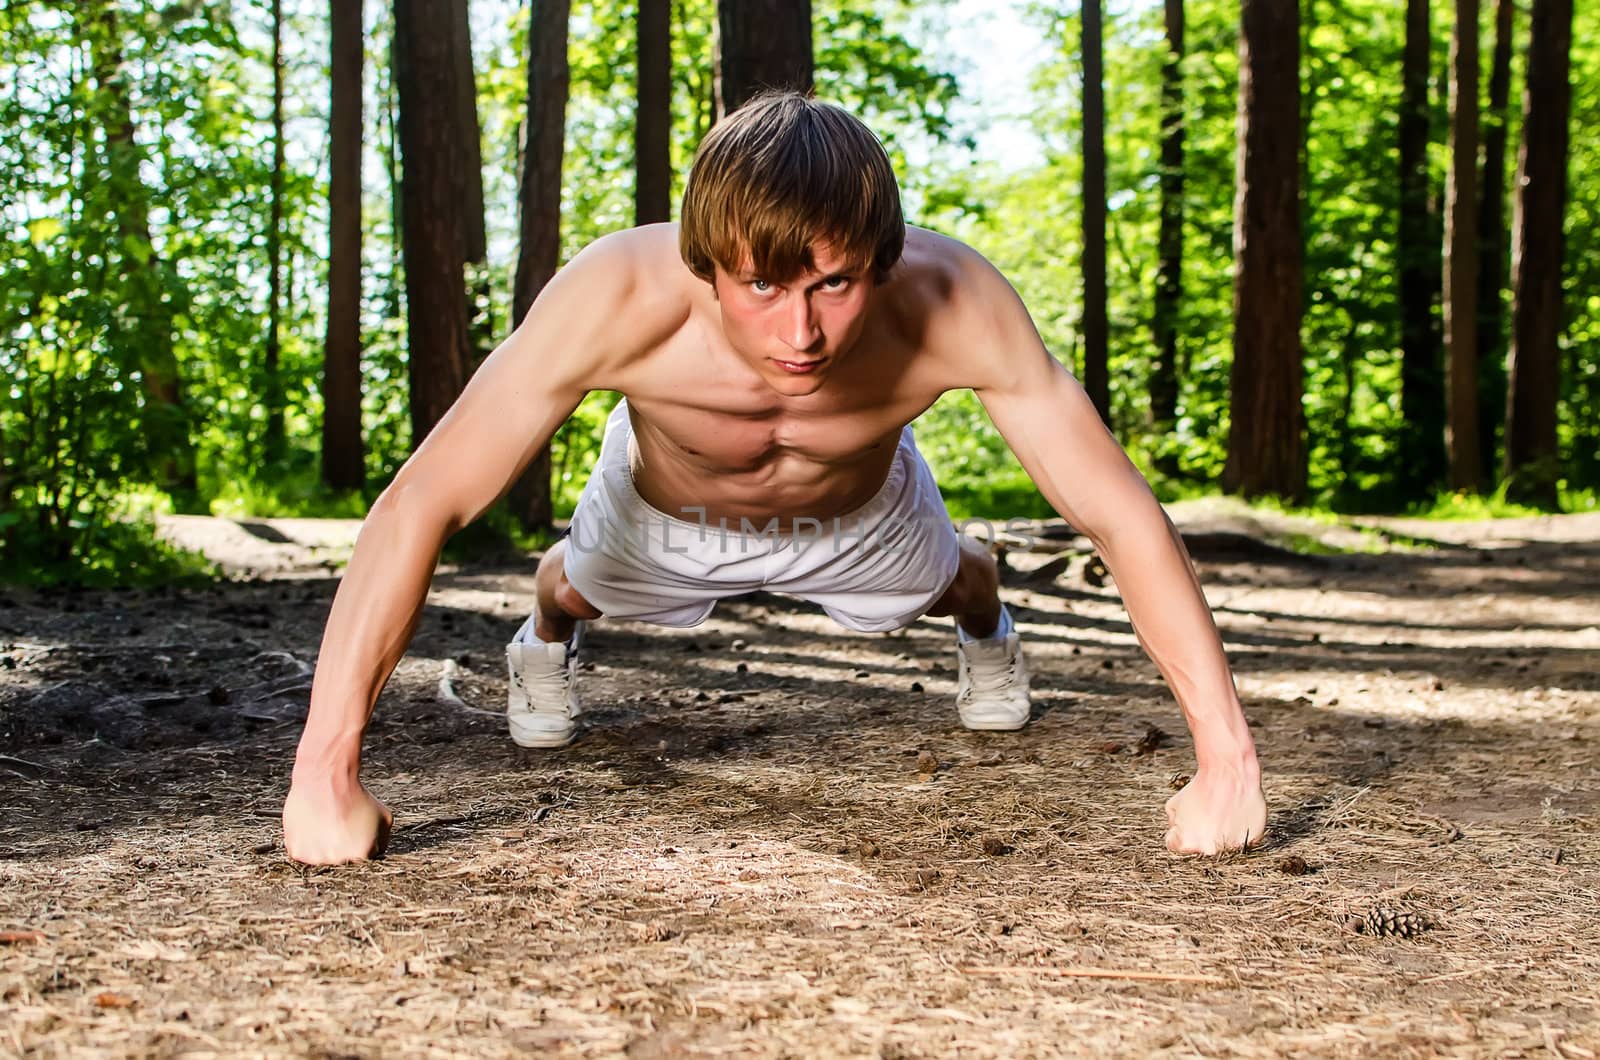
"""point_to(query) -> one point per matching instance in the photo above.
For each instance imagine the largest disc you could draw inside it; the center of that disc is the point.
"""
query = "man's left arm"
(1049, 422)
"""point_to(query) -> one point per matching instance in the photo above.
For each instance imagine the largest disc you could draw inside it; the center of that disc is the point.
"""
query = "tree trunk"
(1532, 460)
(273, 446)
(762, 44)
(435, 250)
(1422, 452)
(165, 424)
(1169, 277)
(343, 459)
(396, 182)
(475, 241)
(539, 198)
(1461, 254)
(699, 80)
(1308, 110)
(539, 203)
(1095, 378)
(1266, 440)
(652, 126)
(1492, 243)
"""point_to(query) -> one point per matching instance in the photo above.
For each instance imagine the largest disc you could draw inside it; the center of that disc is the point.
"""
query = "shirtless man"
(771, 352)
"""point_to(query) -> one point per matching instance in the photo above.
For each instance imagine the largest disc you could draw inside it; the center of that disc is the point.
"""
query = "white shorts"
(879, 567)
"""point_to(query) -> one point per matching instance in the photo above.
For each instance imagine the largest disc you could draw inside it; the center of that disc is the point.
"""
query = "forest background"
(170, 323)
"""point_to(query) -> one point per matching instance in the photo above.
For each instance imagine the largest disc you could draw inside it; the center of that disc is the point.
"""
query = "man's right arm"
(568, 343)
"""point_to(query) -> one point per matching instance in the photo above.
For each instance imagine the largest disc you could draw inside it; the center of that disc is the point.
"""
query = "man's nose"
(800, 327)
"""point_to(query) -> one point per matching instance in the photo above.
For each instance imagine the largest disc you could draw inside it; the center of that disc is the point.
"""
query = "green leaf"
(44, 229)
(138, 248)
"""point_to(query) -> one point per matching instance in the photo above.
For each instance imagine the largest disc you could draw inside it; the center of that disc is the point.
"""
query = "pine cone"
(1382, 921)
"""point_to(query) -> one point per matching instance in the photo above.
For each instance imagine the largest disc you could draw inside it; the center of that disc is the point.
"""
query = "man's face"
(793, 332)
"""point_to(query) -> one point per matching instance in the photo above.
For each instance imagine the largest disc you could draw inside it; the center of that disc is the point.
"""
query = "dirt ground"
(774, 839)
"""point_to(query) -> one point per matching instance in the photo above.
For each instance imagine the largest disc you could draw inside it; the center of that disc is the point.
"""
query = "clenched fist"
(329, 823)
(1220, 809)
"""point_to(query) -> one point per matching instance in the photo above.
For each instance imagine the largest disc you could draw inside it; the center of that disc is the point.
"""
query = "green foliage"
(1460, 505)
(303, 496)
(575, 448)
(1351, 326)
(77, 292)
(597, 170)
(1575, 498)
(1579, 426)
(94, 549)
(977, 473)
(1464, 505)
(866, 62)
(135, 162)
(1030, 219)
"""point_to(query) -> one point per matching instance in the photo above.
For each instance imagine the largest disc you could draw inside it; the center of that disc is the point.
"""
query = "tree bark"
(273, 442)
(395, 180)
(1169, 277)
(1492, 244)
(1266, 439)
(1308, 110)
(166, 421)
(475, 241)
(1532, 460)
(343, 457)
(1421, 443)
(539, 206)
(539, 195)
(435, 249)
(1095, 377)
(700, 80)
(1461, 254)
(762, 44)
(652, 126)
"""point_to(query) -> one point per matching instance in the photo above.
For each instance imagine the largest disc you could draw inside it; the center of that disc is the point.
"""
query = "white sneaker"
(542, 704)
(993, 691)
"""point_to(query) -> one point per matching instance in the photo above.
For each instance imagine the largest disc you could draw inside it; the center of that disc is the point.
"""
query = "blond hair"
(784, 172)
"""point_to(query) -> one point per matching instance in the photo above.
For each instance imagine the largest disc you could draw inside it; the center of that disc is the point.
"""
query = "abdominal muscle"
(744, 470)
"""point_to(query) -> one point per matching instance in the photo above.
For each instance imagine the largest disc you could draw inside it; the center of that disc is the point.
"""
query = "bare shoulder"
(631, 255)
(940, 267)
(616, 301)
(968, 316)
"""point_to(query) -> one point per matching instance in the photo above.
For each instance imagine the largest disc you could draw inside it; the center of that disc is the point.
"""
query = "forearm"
(374, 613)
(1145, 555)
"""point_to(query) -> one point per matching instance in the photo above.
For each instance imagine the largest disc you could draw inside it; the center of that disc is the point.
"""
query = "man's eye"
(760, 286)
(834, 283)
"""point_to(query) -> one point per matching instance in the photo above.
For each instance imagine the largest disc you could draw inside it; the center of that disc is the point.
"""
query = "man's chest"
(737, 435)
(724, 418)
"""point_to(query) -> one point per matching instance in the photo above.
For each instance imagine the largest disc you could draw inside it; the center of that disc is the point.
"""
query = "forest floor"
(773, 838)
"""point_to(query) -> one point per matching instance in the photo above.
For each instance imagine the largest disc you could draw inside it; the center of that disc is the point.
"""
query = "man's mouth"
(799, 367)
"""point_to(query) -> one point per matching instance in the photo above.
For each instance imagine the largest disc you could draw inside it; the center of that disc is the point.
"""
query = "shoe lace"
(992, 670)
(547, 692)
